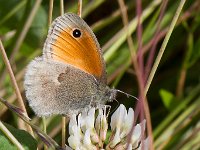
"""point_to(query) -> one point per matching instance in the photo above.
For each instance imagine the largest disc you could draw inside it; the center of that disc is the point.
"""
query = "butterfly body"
(70, 76)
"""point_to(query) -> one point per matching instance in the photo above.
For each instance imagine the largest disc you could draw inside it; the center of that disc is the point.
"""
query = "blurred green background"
(173, 96)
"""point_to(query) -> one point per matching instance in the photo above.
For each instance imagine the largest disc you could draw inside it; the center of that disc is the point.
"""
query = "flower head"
(90, 133)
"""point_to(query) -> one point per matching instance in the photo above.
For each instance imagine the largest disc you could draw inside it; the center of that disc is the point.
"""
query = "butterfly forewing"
(81, 52)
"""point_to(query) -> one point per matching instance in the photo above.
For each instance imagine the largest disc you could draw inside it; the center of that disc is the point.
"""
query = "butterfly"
(70, 76)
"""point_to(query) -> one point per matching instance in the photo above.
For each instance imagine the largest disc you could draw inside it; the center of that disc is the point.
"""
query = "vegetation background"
(173, 96)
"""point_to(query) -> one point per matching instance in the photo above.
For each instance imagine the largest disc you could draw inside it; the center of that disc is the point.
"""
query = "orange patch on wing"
(82, 53)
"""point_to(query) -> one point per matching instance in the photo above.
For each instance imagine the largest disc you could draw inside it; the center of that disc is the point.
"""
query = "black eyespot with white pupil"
(76, 33)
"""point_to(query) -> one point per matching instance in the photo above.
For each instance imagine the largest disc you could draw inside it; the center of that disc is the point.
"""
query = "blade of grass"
(14, 82)
(169, 132)
(120, 37)
(105, 21)
(194, 141)
(44, 137)
(139, 39)
(187, 14)
(163, 46)
(139, 77)
(55, 131)
(155, 39)
(184, 67)
(91, 6)
(176, 111)
(13, 11)
(190, 138)
(10, 136)
(22, 35)
(19, 77)
(26, 27)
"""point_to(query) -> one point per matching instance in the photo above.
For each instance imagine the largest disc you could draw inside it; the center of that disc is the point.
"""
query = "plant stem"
(63, 131)
(14, 83)
(163, 47)
(61, 7)
(50, 12)
(121, 36)
(79, 8)
(143, 102)
(185, 66)
(44, 137)
(22, 35)
(139, 39)
(63, 117)
(45, 130)
(155, 40)
(26, 27)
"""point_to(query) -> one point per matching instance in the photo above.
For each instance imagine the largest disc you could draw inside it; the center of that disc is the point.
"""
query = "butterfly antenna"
(116, 101)
(110, 112)
(128, 95)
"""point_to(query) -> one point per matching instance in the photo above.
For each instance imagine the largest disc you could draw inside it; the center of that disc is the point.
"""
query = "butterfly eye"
(76, 33)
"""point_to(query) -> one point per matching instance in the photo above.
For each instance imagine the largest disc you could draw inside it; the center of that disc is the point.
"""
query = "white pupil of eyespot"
(76, 33)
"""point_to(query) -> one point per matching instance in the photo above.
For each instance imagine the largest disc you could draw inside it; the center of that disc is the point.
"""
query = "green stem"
(164, 44)
(45, 130)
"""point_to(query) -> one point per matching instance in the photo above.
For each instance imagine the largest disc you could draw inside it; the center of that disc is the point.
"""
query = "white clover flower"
(101, 124)
(90, 133)
(75, 133)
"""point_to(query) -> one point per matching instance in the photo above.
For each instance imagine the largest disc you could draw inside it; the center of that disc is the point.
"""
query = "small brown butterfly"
(70, 76)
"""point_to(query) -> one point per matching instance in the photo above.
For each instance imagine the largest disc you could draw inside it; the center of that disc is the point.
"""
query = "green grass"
(173, 96)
